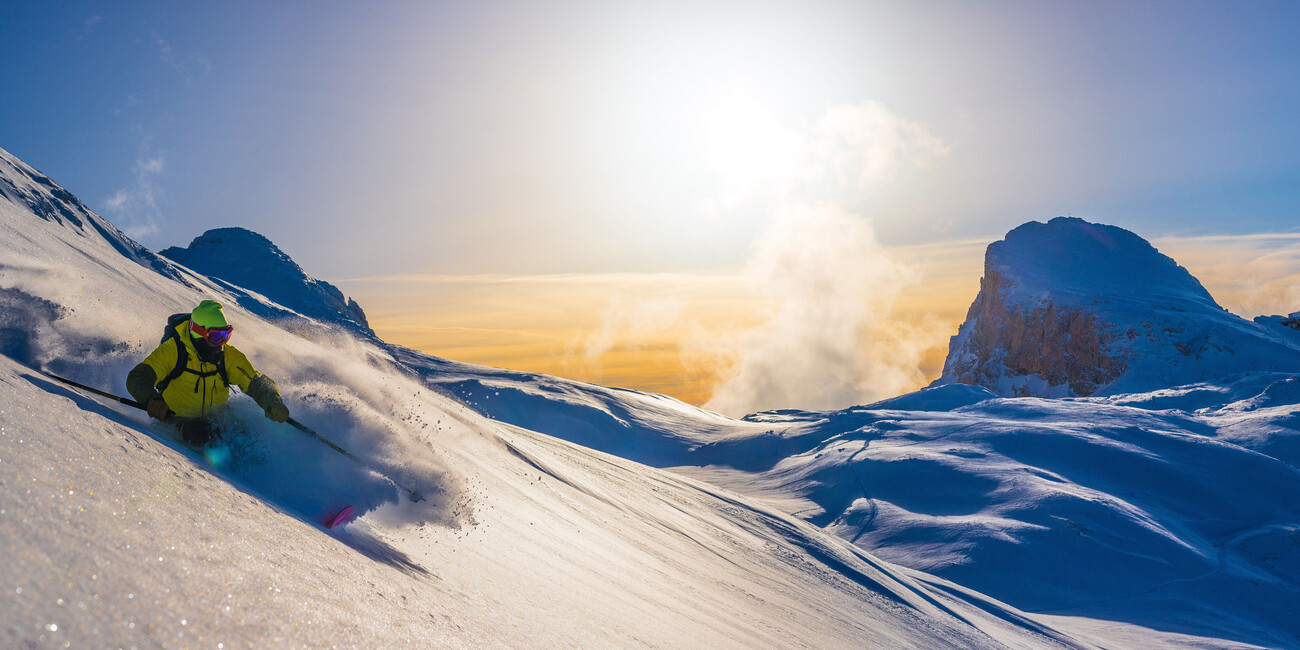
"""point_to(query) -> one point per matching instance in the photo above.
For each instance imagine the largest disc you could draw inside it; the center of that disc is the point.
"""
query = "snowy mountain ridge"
(1072, 308)
(31, 190)
(242, 260)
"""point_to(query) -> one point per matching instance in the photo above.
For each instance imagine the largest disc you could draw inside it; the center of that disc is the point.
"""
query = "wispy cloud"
(135, 207)
(862, 147)
(128, 103)
(830, 339)
(852, 151)
(187, 65)
(629, 321)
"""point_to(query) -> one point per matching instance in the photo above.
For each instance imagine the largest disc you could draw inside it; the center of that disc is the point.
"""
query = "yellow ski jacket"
(199, 390)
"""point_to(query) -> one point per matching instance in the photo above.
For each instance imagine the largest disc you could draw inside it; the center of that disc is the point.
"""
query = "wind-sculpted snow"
(1173, 509)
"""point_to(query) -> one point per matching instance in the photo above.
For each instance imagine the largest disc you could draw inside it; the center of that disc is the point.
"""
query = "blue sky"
(471, 137)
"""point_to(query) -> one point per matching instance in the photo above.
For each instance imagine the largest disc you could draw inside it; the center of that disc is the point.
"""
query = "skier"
(196, 344)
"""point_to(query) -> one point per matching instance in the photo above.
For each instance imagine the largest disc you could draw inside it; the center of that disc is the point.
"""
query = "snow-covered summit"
(1069, 257)
(245, 261)
(1072, 308)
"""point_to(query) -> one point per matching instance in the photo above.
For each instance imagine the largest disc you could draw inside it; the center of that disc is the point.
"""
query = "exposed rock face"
(1071, 308)
(1062, 345)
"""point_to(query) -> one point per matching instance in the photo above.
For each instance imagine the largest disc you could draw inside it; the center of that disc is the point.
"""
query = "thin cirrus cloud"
(135, 207)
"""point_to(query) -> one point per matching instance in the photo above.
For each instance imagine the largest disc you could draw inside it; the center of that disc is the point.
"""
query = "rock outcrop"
(1072, 308)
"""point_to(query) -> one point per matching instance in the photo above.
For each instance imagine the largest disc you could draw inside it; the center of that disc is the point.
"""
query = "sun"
(748, 147)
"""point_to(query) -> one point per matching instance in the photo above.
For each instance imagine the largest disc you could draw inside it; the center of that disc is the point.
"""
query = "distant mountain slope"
(246, 261)
(1071, 308)
(653, 429)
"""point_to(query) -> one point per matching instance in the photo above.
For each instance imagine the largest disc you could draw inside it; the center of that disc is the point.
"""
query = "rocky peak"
(1072, 308)
(247, 261)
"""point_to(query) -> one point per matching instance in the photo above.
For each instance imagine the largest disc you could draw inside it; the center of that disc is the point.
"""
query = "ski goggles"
(213, 335)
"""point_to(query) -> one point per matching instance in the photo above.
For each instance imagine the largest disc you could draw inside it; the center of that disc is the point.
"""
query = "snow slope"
(1174, 509)
(119, 537)
(1103, 511)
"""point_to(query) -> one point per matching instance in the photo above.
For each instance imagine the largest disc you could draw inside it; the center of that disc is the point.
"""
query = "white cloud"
(830, 340)
(185, 65)
(864, 146)
(852, 151)
(152, 165)
(117, 201)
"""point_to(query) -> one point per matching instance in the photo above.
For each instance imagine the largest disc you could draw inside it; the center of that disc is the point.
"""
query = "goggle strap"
(214, 335)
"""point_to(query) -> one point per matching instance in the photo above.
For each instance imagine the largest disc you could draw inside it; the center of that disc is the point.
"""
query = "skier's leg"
(197, 432)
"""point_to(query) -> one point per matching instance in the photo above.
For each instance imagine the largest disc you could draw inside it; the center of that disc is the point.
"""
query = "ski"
(340, 518)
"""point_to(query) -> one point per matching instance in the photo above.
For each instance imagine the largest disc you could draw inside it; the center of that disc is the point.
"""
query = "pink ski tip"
(344, 516)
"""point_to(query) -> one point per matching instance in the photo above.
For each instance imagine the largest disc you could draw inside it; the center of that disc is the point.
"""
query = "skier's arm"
(264, 392)
(141, 382)
(143, 378)
(254, 384)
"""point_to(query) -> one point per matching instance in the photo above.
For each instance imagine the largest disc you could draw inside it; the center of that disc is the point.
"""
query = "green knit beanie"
(208, 314)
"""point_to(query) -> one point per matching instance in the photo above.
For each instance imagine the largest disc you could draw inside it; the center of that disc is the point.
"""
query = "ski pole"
(88, 389)
(413, 494)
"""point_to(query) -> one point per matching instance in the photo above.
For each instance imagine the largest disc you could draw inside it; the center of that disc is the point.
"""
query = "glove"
(278, 412)
(157, 409)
